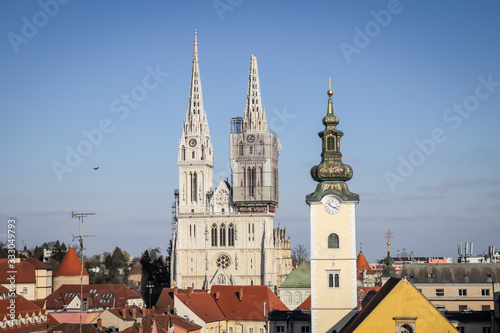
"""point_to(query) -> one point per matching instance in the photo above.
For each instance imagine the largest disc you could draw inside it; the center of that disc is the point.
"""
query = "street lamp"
(150, 285)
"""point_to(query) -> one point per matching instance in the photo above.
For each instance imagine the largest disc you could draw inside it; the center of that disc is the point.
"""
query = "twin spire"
(254, 118)
(196, 119)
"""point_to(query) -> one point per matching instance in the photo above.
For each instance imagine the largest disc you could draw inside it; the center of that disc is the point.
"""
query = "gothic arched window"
(223, 235)
(240, 149)
(183, 153)
(193, 187)
(337, 280)
(214, 235)
(333, 241)
(230, 235)
(330, 280)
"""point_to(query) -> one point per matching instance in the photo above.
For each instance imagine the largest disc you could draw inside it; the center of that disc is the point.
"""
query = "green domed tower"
(331, 172)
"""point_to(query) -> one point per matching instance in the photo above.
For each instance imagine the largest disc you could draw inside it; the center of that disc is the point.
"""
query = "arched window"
(230, 235)
(333, 241)
(183, 153)
(337, 280)
(223, 235)
(330, 143)
(240, 149)
(214, 234)
(202, 153)
(330, 280)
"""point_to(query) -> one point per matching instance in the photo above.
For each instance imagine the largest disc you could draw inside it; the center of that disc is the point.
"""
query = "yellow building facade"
(399, 307)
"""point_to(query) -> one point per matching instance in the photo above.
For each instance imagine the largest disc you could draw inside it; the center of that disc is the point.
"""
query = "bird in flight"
(96, 168)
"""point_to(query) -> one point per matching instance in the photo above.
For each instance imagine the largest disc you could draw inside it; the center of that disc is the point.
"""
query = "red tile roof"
(98, 295)
(24, 308)
(362, 264)
(203, 305)
(37, 264)
(24, 272)
(165, 302)
(246, 302)
(306, 305)
(70, 265)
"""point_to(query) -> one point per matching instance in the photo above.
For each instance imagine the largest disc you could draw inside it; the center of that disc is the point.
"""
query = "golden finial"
(330, 92)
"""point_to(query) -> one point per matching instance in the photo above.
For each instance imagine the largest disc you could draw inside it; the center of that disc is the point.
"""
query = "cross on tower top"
(388, 235)
(330, 82)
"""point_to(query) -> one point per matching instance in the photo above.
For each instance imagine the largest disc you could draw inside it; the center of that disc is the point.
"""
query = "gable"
(403, 303)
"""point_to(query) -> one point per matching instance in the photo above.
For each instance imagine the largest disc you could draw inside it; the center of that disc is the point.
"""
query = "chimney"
(144, 311)
(134, 312)
(140, 329)
(217, 295)
(124, 312)
(99, 322)
(240, 295)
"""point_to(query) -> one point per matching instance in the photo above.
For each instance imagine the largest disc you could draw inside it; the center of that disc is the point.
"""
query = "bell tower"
(254, 153)
(195, 157)
(333, 233)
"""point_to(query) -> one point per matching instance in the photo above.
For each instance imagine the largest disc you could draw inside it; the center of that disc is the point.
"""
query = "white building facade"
(216, 239)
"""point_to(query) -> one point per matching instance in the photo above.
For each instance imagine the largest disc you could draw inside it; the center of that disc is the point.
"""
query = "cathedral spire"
(254, 118)
(331, 173)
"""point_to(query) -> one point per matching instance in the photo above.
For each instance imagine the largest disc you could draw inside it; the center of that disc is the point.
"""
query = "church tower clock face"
(192, 142)
(332, 206)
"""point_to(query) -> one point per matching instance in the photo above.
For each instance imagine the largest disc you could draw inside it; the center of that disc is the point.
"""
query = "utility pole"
(80, 237)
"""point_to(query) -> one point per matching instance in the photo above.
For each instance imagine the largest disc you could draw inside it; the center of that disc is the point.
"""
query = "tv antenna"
(80, 237)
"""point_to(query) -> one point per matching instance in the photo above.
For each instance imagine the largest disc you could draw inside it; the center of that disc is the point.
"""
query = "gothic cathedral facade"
(225, 235)
(333, 234)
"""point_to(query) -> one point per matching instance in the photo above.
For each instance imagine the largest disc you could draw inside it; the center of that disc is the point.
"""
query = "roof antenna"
(80, 238)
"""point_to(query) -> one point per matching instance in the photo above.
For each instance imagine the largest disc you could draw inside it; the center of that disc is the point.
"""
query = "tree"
(155, 269)
(299, 254)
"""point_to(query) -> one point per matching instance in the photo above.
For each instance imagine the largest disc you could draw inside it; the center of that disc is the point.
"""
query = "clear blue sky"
(401, 71)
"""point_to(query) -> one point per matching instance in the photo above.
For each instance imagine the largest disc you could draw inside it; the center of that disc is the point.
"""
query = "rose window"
(223, 261)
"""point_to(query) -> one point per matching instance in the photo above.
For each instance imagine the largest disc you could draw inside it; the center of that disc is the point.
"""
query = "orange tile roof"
(70, 265)
(306, 305)
(165, 302)
(24, 308)
(362, 263)
(203, 305)
(37, 264)
(246, 302)
(98, 295)
(24, 272)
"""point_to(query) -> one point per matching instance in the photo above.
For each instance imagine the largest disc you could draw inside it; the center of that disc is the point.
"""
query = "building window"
(462, 308)
(333, 279)
(440, 292)
(298, 298)
(250, 330)
(214, 235)
(441, 308)
(333, 241)
(330, 143)
(240, 149)
(462, 292)
(280, 329)
(193, 187)
(288, 298)
(485, 292)
(231, 329)
(230, 235)
(261, 329)
(223, 235)
(304, 329)
(485, 308)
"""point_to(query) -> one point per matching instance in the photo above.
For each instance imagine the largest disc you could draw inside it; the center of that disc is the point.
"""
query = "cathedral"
(225, 235)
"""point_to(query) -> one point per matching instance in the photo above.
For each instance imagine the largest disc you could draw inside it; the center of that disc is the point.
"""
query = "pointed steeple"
(331, 173)
(195, 122)
(254, 118)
